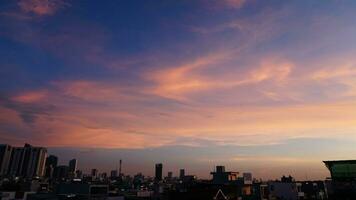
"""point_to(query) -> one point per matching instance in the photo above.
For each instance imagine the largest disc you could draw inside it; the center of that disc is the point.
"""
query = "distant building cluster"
(28, 173)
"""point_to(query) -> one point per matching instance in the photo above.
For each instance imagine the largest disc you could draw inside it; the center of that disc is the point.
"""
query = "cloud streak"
(41, 7)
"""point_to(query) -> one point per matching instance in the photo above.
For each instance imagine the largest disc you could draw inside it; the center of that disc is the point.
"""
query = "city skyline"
(15, 161)
(266, 87)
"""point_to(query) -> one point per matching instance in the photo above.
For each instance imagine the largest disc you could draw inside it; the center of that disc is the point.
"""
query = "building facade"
(5, 156)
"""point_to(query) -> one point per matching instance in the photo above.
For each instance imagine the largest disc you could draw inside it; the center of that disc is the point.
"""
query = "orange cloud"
(125, 124)
(173, 81)
(348, 70)
(179, 81)
(41, 7)
(31, 96)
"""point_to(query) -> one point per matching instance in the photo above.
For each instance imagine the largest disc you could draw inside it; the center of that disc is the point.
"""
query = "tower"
(120, 174)
(158, 172)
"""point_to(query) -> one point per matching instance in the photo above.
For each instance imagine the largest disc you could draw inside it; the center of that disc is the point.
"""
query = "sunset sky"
(266, 86)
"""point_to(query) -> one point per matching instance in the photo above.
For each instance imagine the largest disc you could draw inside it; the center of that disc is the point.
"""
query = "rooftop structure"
(342, 169)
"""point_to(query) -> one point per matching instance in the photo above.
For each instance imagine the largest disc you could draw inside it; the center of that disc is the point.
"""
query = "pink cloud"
(31, 96)
(236, 3)
(41, 7)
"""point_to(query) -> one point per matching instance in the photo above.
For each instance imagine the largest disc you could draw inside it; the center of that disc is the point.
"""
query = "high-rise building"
(52, 160)
(120, 168)
(16, 161)
(181, 173)
(158, 172)
(5, 155)
(61, 172)
(94, 173)
(35, 160)
(51, 164)
(72, 165)
(28, 161)
(113, 173)
(78, 174)
(170, 175)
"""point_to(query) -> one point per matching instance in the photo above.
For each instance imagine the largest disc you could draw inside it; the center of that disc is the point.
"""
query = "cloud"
(31, 96)
(235, 3)
(346, 71)
(194, 77)
(173, 81)
(41, 7)
(29, 106)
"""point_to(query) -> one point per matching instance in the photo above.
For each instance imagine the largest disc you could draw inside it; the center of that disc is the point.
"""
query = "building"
(170, 175)
(72, 168)
(220, 176)
(158, 172)
(343, 179)
(72, 165)
(79, 174)
(35, 161)
(311, 190)
(181, 173)
(113, 174)
(28, 161)
(247, 178)
(61, 172)
(83, 191)
(16, 161)
(283, 190)
(5, 156)
(94, 173)
(51, 164)
(52, 160)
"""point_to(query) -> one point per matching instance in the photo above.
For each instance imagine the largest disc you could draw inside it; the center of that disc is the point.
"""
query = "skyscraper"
(181, 173)
(51, 164)
(35, 160)
(5, 155)
(28, 161)
(52, 160)
(113, 173)
(159, 171)
(16, 161)
(170, 175)
(72, 165)
(61, 172)
(94, 173)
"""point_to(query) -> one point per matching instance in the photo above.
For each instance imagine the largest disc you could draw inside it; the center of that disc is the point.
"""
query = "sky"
(267, 87)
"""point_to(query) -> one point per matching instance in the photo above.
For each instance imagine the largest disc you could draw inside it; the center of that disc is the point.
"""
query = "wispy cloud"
(176, 82)
(236, 3)
(31, 96)
(41, 7)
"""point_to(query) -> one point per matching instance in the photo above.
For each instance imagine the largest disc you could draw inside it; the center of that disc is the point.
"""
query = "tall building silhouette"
(35, 159)
(52, 160)
(158, 172)
(28, 161)
(72, 165)
(94, 173)
(5, 155)
(120, 172)
(170, 175)
(181, 173)
(51, 164)
(16, 161)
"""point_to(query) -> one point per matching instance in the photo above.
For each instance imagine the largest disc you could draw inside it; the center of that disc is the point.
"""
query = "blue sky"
(245, 83)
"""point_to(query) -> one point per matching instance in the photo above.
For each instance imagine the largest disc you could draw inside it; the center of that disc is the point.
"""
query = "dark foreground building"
(343, 179)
